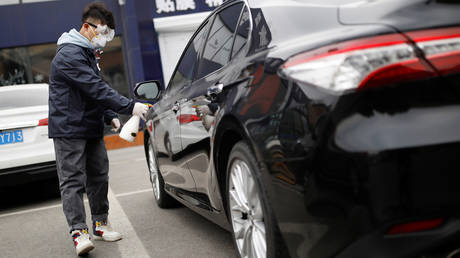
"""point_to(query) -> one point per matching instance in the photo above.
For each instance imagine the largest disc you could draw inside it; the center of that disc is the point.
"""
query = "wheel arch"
(228, 133)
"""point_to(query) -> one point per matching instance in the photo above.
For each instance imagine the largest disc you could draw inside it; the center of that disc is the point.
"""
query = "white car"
(26, 152)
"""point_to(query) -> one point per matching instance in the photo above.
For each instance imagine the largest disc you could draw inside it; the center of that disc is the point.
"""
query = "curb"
(113, 141)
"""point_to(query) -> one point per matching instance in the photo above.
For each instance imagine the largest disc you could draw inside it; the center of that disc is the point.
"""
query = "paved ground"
(32, 223)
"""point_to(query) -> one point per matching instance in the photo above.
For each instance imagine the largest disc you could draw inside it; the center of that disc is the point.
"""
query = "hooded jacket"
(79, 99)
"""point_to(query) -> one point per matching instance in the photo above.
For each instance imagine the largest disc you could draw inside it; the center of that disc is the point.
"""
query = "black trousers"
(82, 166)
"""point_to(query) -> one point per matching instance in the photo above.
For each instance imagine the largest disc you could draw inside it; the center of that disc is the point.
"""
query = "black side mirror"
(148, 90)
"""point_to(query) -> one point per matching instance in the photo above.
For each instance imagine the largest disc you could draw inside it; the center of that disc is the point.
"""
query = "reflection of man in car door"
(207, 114)
(79, 102)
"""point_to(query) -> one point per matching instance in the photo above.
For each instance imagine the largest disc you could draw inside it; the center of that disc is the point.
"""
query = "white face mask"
(104, 34)
(98, 41)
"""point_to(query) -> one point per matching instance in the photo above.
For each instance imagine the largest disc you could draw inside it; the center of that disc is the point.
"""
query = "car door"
(212, 73)
(166, 124)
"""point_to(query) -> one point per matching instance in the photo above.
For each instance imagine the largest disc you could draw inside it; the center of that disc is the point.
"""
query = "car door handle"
(177, 104)
(233, 83)
(213, 91)
(175, 107)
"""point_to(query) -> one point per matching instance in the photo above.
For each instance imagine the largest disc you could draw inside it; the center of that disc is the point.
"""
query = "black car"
(316, 129)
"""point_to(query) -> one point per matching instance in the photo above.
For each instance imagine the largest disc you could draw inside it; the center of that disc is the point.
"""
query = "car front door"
(166, 135)
(213, 74)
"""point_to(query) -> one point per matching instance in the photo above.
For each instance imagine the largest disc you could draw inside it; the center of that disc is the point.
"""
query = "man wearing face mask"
(79, 103)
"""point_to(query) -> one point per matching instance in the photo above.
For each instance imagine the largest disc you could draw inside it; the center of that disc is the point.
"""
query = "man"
(79, 102)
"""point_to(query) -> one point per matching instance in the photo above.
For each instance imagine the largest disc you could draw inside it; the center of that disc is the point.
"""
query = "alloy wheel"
(246, 211)
(154, 173)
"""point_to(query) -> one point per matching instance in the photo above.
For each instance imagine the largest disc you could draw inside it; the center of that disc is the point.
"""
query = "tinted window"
(188, 63)
(217, 50)
(242, 32)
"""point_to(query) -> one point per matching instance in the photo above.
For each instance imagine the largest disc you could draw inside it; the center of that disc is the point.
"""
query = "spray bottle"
(130, 129)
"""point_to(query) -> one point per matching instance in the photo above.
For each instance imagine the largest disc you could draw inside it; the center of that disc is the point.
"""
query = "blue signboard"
(164, 8)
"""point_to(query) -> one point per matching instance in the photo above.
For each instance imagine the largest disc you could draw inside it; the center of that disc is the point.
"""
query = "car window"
(188, 64)
(242, 32)
(218, 46)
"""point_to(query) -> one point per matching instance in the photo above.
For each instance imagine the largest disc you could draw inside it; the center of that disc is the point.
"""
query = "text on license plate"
(7, 137)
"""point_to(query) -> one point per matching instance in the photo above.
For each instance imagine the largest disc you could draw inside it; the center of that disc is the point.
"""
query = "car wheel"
(254, 230)
(163, 199)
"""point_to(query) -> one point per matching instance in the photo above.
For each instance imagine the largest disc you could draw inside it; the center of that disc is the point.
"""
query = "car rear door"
(166, 123)
(214, 73)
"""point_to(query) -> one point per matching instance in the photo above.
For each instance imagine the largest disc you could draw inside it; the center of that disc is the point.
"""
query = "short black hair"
(97, 10)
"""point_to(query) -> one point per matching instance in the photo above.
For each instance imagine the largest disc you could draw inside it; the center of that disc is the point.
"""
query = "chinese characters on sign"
(172, 6)
(183, 5)
(214, 3)
(165, 6)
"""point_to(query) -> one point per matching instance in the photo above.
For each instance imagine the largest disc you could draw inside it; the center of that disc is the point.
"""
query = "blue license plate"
(7, 137)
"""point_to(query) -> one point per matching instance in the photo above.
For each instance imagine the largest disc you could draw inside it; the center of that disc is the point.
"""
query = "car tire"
(162, 198)
(251, 219)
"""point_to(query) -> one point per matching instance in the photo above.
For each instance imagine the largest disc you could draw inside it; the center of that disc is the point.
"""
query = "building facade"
(149, 38)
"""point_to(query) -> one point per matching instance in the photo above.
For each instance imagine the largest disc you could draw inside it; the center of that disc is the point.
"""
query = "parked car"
(26, 153)
(320, 129)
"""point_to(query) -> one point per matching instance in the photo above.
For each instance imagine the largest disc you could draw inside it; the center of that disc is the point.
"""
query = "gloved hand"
(203, 110)
(115, 124)
(140, 110)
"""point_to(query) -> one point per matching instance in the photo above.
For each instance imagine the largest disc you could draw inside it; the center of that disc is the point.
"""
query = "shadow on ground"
(26, 194)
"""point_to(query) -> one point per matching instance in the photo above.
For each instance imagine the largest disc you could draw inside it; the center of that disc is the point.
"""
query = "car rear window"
(16, 96)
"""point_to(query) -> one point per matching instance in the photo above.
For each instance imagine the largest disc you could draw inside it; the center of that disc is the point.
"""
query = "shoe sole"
(107, 239)
(86, 249)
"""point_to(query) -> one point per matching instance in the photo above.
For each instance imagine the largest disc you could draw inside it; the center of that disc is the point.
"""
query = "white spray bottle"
(130, 129)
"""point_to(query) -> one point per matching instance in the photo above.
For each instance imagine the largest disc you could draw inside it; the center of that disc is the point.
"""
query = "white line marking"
(35, 209)
(134, 192)
(130, 245)
(60, 205)
(30, 210)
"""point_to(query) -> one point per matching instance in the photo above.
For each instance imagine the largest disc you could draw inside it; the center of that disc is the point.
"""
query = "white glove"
(203, 110)
(140, 110)
(115, 124)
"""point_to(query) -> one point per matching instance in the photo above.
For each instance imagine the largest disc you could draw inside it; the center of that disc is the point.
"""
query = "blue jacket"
(79, 100)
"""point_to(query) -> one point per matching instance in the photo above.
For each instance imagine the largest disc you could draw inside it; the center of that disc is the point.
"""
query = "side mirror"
(148, 90)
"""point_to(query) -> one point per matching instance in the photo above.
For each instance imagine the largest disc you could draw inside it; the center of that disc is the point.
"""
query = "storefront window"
(40, 61)
(24, 65)
(112, 66)
(13, 64)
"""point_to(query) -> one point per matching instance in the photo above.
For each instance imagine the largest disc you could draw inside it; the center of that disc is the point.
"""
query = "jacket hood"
(74, 37)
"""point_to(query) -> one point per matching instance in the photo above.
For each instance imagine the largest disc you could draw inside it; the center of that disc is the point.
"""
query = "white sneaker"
(102, 232)
(82, 241)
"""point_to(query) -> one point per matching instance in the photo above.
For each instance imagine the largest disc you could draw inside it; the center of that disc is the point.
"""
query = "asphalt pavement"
(32, 223)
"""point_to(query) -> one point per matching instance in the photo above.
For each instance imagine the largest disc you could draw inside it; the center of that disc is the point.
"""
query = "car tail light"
(416, 226)
(43, 121)
(187, 118)
(151, 126)
(376, 61)
(441, 47)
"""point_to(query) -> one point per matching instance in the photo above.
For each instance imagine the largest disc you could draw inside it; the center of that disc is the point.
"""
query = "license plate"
(7, 137)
